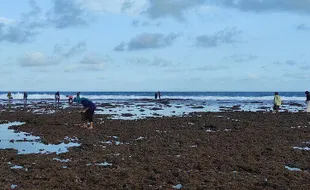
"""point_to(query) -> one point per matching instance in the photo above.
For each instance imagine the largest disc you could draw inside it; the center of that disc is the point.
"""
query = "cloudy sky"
(147, 45)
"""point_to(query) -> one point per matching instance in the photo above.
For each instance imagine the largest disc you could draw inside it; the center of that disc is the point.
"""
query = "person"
(276, 102)
(307, 101)
(10, 97)
(88, 112)
(57, 96)
(70, 98)
(77, 98)
(158, 94)
(25, 97)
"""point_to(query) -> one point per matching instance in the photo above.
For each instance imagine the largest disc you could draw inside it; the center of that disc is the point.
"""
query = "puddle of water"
(111, 142)
(292, 169)
(14, 167)
(158, 131)
(140, 138)
(17, 167)
(210, 131)
(105, 164)
(43, 111)
(178, 186)
(26, 143)
(62, 160)
(301, 148)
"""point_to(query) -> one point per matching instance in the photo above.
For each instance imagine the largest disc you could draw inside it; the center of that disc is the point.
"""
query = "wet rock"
(295, 104)
(127, 115)
(197, 107)
(155, 108)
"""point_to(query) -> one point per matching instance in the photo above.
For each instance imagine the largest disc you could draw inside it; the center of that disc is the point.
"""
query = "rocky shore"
(221, 150)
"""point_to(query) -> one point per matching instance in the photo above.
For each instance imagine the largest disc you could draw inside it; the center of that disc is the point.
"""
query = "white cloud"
(298, 6)
(72, 68)
(253, 76)
(36, 59)
(93, 59)
(116, 6)
(95, 62)
(6, 20)
(148, 41)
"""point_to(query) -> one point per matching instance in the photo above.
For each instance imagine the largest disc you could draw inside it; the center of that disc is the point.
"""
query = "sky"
(150, 45)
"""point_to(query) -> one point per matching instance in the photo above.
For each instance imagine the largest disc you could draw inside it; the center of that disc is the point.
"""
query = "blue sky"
(148, 45)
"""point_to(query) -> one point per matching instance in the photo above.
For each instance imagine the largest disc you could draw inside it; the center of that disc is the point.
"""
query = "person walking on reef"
(159, 94)
(25, 97)
(57, 97)
(276, 102)
(156, 95)
(307, 101)
(88, 112)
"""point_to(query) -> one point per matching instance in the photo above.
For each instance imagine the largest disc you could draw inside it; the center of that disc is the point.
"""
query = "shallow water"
(13, 186)
(105, 164)
(132, 109)
(178, 186)
(25, 143)
(301, 148)
(292, 169)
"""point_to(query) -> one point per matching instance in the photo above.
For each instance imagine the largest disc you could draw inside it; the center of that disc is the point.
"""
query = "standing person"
(57, 96)
(159, 94)
(25, 97)
(88, 112)
(307, 101)
(276, 102)
(156, 95)
(9, 97)
(78, 98)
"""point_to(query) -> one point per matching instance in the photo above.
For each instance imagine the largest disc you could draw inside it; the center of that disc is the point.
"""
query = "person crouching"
(88, 112)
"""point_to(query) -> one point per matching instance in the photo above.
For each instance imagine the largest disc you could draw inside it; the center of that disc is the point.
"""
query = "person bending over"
(88, 112)
(57, 96)
(307, 101)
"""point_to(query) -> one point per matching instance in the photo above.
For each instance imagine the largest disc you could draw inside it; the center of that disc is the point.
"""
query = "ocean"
(142, 104)
(203, 96)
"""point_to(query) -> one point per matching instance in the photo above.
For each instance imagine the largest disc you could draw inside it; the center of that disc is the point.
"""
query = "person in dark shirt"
(88, 112)
(25, 97)
(307, 101)
(57, 96)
